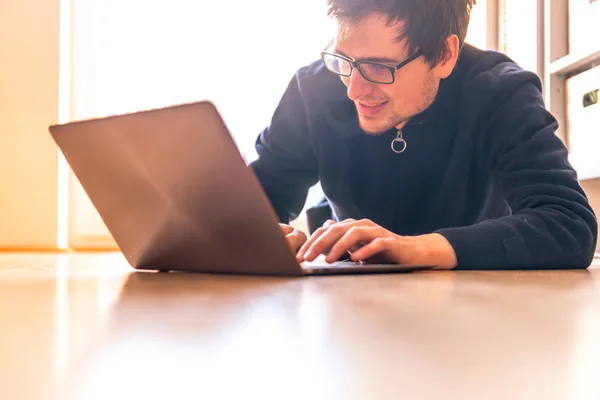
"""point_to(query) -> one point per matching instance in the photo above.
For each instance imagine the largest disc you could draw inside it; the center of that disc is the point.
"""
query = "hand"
(369, 242)
(294, 237)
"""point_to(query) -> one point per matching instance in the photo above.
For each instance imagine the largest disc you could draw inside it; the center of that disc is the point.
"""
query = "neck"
(401, 124)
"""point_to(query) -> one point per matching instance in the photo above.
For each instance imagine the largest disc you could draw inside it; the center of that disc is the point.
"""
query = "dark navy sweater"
(483, 166)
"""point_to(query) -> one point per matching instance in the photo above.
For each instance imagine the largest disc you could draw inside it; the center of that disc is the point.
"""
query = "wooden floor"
(87, 327)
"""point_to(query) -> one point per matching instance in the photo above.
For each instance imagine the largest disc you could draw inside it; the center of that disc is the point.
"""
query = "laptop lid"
(174, 191)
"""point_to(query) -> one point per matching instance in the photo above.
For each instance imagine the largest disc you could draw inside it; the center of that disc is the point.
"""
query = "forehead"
(370, 37)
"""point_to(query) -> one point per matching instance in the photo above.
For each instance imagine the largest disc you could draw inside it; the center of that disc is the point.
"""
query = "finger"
(327, 240)
(354, 237)
(377, 246)
(296, 239)
(286, 229)
(316, 234)
(327, 237)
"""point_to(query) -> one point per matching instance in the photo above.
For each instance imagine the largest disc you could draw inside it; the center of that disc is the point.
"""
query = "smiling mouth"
(373, 105)
(370, 109)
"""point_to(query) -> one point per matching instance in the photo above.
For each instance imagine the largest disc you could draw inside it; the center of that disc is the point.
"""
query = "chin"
(373, 127)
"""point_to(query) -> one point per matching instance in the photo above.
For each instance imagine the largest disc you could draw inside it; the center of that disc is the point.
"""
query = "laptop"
(176, 195)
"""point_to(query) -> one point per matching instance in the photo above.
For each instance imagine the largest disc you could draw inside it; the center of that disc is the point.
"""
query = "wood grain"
(85, 326)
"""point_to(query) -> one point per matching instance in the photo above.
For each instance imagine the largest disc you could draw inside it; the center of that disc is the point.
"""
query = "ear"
(447, 63)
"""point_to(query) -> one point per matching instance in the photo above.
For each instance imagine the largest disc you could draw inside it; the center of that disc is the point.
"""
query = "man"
(427, 149)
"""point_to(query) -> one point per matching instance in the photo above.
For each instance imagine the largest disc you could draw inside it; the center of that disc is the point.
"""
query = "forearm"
(286, 166)
(552, 225)
(285, 188)
(543, 238)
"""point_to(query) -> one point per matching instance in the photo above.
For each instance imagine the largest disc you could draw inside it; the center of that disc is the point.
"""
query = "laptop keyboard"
(325, 264)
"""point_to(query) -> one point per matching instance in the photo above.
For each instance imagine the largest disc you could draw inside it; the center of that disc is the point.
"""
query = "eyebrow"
(386, 60)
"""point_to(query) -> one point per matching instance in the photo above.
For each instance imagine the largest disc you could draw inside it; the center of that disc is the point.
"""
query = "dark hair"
(427, 23)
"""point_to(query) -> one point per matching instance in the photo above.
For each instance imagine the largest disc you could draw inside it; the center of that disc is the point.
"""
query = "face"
(384, 106)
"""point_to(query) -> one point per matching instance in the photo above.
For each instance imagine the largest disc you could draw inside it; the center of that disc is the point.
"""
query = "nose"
(357, 85)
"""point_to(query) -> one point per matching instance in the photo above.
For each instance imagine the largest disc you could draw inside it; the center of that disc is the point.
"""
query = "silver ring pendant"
(398, 145)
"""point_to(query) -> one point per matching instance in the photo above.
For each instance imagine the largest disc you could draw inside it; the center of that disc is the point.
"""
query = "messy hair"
(426, 23)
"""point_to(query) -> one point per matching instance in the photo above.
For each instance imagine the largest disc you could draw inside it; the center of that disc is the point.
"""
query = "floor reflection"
(102, 331)
(221, 336)
(214, 336)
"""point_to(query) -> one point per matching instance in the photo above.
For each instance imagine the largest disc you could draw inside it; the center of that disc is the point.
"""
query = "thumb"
(286, 229)
(296, 239)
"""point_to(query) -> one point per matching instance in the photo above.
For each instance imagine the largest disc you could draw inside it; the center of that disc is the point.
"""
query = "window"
(477, 33)
(520, 33)
(134, 55)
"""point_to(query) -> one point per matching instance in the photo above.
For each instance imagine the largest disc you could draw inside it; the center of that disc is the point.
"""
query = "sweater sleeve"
(552, 225)
(286, 165)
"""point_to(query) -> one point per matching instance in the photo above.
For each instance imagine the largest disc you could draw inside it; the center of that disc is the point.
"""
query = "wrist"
(438, 251)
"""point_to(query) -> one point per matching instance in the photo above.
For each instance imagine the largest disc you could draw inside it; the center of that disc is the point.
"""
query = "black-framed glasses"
(372, 71)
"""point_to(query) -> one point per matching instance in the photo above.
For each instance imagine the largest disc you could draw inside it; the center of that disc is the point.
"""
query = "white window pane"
(519, 32)
(131, 55)
(477, 33)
